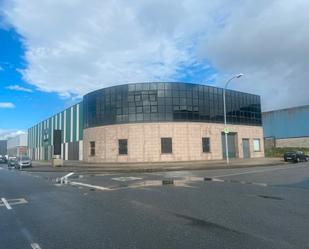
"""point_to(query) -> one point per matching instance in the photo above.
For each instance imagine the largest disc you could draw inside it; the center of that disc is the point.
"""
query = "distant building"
(287, 127)
(151, 122)
(3, 147)
(17, 146)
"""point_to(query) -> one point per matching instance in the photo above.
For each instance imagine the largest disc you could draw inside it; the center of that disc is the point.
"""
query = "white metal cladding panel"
(62, 150)
(39, 135)
(71, 125)
(81, 150)
(66, 151)
(77, 122)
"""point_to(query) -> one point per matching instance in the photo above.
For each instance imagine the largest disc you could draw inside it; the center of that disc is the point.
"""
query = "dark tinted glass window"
(150, 102)
(166, 145)
(206, 144)
(92, 148)
(123, 146)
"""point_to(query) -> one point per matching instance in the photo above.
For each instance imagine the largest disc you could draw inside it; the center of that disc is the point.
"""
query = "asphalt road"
(265, 207)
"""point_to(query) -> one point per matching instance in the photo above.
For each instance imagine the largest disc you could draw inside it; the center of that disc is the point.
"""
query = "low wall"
(293, 142)
(144, 141)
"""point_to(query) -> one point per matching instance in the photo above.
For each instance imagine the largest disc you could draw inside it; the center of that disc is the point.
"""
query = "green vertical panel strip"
(81, 121)
(74, 122)
(50, 131)
(34, 132)
(41, 132)
(68, 125)
(31, 142)
(62, 126)
(36, 136)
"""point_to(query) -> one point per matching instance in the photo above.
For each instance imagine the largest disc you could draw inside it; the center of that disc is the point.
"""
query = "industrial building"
(152, 122)
(287, 127)
(17, 146)
(3, 147)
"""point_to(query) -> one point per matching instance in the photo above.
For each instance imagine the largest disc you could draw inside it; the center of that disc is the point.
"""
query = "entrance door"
(245, 147)
(45, 152)
(231, 141)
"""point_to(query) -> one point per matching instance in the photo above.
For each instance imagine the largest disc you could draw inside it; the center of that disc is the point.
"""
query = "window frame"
(203, 147)
(166, 145)
(123, 151)
(259, 144)
(92, 148)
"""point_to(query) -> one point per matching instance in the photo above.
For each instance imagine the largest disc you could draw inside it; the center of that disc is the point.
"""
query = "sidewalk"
(79, 166)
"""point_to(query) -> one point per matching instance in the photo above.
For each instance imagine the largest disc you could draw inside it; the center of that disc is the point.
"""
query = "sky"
(52, 52)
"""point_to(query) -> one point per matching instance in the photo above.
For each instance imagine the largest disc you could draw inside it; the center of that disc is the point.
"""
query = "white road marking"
(13, 202)
(125, 179)
(7, 205)
(217, 180)
(89, 185)
(64, 179)
(35, 246)
(1, 168)
(259, 171)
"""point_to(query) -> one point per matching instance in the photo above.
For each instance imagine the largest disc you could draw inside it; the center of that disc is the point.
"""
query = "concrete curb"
(130, 169)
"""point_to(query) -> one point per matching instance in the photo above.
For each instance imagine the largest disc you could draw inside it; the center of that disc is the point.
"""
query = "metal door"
(45, 152)
(73, 151)
(231, 140)
(245, 147)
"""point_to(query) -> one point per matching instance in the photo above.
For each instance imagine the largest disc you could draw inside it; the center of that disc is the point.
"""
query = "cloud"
(5, 134)
(1, 68)
(109, 42)
(19, 88)
(269, 42)
(6, 105)
(76, 47)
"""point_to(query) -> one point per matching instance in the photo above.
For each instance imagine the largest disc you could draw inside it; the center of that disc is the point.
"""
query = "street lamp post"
(224, 112)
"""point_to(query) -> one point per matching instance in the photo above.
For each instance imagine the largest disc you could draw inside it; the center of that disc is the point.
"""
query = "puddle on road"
(271, 197)
(301, 185)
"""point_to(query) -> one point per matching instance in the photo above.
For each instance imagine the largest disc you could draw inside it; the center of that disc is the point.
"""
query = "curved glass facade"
(166, 101)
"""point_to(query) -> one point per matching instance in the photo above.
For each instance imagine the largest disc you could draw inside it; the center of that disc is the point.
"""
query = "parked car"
(11, 162)
(3, 159)
(22, 162)
(295, 156)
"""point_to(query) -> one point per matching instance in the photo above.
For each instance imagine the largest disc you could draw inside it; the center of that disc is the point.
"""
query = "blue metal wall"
(287, 123)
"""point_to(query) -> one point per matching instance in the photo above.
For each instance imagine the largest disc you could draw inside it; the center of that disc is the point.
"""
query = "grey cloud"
(270, 45)
(73, 47)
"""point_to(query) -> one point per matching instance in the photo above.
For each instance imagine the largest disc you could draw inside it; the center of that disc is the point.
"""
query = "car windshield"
(23, 158)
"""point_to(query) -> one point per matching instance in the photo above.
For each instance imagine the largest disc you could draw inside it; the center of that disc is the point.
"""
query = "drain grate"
(271, 197)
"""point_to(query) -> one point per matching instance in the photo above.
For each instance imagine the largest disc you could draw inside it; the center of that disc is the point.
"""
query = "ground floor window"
(256, 145)
(92, 148)
(166, 145)
(206, 144)
(123, 146)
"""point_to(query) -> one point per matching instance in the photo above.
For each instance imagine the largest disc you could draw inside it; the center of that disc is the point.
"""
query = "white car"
(22, 162)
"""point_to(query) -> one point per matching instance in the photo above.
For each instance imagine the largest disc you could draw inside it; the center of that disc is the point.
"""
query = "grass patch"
(279, 152)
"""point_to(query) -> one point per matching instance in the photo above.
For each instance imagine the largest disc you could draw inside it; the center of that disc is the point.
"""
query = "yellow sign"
(226, 130)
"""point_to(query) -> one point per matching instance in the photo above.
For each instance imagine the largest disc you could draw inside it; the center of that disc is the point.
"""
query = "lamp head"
(239, 75)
